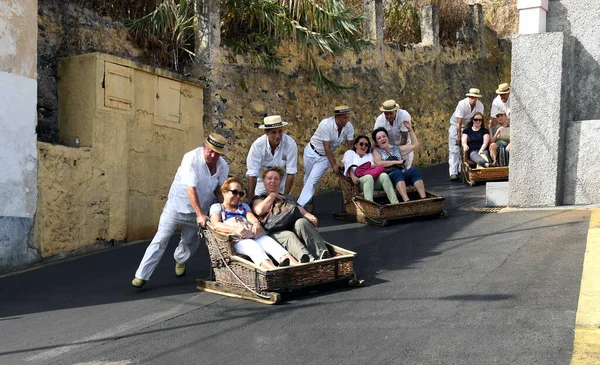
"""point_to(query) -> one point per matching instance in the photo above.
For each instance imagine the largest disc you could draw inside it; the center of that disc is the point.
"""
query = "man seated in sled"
(500, 136)
(287, 221)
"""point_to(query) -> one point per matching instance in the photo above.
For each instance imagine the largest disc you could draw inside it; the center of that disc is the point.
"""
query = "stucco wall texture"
(555, 104)
(18, 153)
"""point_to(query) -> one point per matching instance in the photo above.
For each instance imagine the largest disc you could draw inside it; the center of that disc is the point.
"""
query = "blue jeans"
(409, 176)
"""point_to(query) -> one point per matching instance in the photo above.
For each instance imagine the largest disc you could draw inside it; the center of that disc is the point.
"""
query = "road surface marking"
(586, 344)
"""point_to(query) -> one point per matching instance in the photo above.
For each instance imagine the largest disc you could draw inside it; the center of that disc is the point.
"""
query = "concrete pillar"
(430, 26)
(18, 139)
(537, 119)
(476, 28)
(208, 33)
(208, 42)
(532, 16)
(370, 23)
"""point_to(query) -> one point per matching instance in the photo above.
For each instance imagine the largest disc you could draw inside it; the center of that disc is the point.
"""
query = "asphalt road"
(475, 288)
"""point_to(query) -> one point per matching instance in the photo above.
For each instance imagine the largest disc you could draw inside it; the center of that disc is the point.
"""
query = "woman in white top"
(233, 217)
(357, 156)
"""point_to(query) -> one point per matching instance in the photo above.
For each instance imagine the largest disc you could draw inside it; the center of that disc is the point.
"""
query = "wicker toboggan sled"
(236, 276)
(472, 174)
(380, 212)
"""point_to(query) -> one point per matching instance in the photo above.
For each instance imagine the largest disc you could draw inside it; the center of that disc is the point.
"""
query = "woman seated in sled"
(475, 141)
(391, 157)
(233, 217)
(287, 221)
(360, 167)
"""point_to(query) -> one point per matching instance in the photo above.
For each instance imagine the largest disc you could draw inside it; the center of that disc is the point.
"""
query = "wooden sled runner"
(472, 175)
(235, 276)
(379, 212)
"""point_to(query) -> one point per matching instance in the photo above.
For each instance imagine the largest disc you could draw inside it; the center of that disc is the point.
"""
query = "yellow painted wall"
(127, 159)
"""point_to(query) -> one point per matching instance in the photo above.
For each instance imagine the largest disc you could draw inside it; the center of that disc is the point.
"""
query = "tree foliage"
(167, 32)
(315, 27)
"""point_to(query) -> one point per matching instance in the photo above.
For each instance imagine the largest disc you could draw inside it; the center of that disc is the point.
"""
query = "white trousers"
(314, 168)
(258, 249)
(169, 220)
(454, 152)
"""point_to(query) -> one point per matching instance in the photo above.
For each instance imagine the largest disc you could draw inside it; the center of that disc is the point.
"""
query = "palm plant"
(167, 32)
(325, 27)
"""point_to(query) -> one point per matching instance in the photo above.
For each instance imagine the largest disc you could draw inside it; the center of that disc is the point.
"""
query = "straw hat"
(503, 89)
(389, 106)
(216, 142)
(473, 92)
(272, 121)
(341, 109)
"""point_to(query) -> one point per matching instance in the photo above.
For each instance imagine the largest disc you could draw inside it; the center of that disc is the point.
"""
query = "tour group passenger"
(392, 119)
(391, 156)
(299, 236)
(475, 141)
(234, 217)
(358, 155)
(500, 136)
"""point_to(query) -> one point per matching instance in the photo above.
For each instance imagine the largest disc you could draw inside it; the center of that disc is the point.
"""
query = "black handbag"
(282, 216)
(390, 169)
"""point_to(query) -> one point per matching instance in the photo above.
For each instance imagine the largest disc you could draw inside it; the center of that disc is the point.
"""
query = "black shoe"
(324, 255)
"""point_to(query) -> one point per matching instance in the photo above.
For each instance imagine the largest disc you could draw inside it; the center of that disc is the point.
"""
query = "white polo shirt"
(499, 105)
(463, 110)
(328, 131)
(259, 156)
(193, 171)
(394, 131)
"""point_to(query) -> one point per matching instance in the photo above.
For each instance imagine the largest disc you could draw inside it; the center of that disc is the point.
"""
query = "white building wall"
(18, 142)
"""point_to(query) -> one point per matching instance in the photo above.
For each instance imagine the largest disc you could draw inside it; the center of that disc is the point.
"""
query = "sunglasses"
(477, 119)
(236, 192)
(363, 144)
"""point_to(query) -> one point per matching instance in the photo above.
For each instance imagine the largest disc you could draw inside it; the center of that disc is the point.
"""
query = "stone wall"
(426, 81)
(18, 154)
(73, 203)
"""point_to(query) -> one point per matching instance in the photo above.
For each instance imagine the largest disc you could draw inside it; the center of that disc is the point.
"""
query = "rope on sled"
(237, 277)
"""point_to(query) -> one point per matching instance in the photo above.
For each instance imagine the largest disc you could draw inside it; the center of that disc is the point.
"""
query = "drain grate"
(494, 209)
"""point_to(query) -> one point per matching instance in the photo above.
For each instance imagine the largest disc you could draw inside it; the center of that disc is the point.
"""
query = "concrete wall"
(114, 187)
(18, 154)
(556, 112)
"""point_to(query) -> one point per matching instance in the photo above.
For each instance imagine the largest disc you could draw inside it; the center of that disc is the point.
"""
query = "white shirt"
(352, 158)
(394, 131)
(193, 171)
(499, 105)
(463, 110)
(259, 156)
(328, 131)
